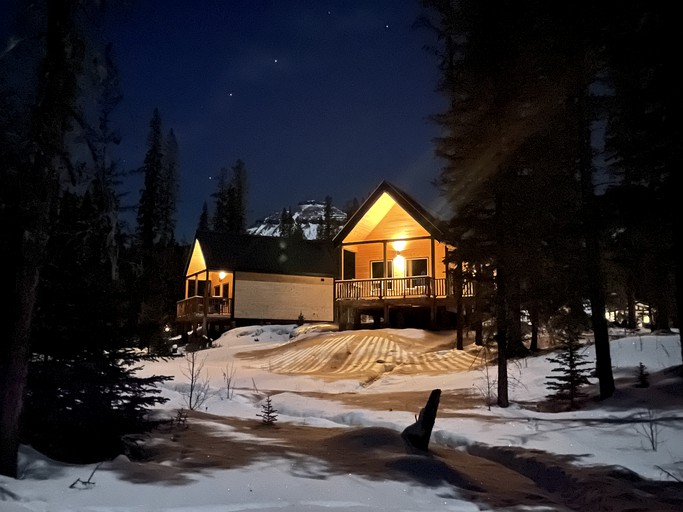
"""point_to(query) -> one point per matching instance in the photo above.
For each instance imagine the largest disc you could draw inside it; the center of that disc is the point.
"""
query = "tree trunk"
(457, 275)
(477, 315)
(662, 299)
(30, 230)
(501, 305)
(501, 341)
(679, 283)
(631, 321)
(14, 365)
(533, 313)
(594, 273)
(515, 344)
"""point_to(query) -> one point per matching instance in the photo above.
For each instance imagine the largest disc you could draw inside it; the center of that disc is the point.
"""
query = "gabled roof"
(434, 226)
(271, 255)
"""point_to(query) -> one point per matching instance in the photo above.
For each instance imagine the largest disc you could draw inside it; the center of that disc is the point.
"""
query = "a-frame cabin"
(393, 265)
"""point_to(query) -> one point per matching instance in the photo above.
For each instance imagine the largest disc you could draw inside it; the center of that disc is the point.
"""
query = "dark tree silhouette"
(30, 189)
(230, 200)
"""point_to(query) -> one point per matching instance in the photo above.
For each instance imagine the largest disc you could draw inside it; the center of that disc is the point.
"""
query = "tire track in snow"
(311, 359)
(350, 355)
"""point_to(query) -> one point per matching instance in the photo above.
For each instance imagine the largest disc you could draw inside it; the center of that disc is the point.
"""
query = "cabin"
(387, 267)
(235, 279)
(393, 266)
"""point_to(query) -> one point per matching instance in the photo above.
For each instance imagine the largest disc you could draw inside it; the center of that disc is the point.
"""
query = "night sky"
(316, 97)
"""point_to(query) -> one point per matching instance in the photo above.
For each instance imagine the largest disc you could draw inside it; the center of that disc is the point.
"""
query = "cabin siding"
(284, 297)
(415, 249)
(396, 224)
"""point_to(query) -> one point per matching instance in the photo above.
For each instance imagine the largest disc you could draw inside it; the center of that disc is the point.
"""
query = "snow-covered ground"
(361, 380)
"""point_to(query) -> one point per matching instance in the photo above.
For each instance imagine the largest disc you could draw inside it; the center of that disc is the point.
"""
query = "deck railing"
(398, 287)
(354, 289)
(194, 306)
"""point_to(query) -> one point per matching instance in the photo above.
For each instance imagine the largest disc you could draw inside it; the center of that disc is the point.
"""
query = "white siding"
(282, 297)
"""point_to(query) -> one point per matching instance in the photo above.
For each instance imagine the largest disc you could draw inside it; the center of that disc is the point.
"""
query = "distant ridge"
(307, 214)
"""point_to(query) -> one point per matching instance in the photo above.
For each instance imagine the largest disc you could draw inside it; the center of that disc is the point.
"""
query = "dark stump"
(417, 435)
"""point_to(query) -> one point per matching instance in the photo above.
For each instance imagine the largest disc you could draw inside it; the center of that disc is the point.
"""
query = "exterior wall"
(366, 253)
(215, 279)
(396, 224)
(439, 256)
(197, 263)
(282, 297)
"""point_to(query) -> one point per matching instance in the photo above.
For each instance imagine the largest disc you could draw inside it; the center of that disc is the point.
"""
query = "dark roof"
(272, 255)
(433, 225)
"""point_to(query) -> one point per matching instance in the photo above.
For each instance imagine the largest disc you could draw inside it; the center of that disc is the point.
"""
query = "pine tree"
(327, 226)
(643, 137)
(150, 208)
(203, 224)
(230, 200)
(286, 229)
(169, 190)
(515, 79)
(643, 376)
(36, 143)
(351, 207)
(82, 393)
(157, 206)
(238, 210)
(223, 197)
(103, 173)
(268, 416)
(154, 291)
(572, 370)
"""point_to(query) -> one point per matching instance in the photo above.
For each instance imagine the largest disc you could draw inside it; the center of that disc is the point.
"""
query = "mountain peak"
(307, 214)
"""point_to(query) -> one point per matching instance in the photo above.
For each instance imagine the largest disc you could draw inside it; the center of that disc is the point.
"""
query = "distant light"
(275, 61)
(386, 26)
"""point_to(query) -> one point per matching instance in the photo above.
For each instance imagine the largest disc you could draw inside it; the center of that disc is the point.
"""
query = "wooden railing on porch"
(397, 287)
(194, 307)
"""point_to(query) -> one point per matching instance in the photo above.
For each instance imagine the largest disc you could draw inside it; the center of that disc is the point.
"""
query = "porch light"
(221, 275)
(399, 265)
(399, 245)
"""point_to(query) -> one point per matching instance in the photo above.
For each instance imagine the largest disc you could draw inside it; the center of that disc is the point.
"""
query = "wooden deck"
(195, 307)
(398, 288)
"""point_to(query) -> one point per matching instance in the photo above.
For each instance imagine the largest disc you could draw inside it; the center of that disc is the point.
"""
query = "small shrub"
(649, 428)
(268, 416)
(199, 390)
(643, 377)
(229, 379)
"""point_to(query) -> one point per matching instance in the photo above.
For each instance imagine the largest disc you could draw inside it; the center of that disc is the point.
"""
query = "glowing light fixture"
(399, 245)
(221, 275)
(399, 266)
